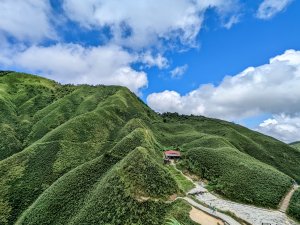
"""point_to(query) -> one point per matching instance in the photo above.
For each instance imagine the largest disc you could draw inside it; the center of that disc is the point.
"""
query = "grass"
(295, 145)
(294, 207)
(257, 184)
(106, 187)
(92, 155)
(173, 222)
(179, 212)
(183, 183)
(235, 217)
(193, 131)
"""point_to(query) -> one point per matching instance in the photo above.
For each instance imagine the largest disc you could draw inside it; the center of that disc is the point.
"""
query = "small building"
(172, 154)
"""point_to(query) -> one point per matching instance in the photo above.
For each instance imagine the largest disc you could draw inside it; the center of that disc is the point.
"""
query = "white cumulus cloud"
(143, 23)
(282, 127)
(26, 20)
(73, 63)
(269, 8)
(141, 32)
(150, 60)
(270, 88)
(179, 71)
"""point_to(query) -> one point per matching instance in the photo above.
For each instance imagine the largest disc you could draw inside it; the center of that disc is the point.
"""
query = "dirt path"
(286, 201)
(204, 219)
(217, 215)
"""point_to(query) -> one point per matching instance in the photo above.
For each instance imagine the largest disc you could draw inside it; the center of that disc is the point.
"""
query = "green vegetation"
(294, 207)
(93, 155)
(179, 213)
(295, 145)
(183, 183)
(235, 217)
(173, 222)
(106, 190)
(258, 184)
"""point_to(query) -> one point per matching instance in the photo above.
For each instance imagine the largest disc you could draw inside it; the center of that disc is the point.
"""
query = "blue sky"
(251, 42)
(230, 59)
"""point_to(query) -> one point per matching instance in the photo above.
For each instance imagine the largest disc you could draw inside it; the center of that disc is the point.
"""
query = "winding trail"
(251, 214)
(286, 201)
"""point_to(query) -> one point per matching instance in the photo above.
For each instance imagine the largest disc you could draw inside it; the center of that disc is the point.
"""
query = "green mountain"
(93, 155)
(295, 145)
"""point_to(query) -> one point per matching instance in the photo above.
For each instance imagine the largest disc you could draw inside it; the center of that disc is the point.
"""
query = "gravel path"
(227, 219)
(251, 214)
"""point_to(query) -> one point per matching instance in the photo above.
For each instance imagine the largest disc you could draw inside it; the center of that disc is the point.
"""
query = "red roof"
(172, 153)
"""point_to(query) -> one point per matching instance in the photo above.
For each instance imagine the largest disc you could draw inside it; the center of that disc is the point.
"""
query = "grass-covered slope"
(256, 183)
(295, 145)
(230, 158)
(195, 131)
(131, 191)
(92, 155)
(294, 207)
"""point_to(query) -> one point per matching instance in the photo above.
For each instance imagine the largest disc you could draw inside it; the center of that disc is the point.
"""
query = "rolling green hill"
(93, 155)
(295, 145)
